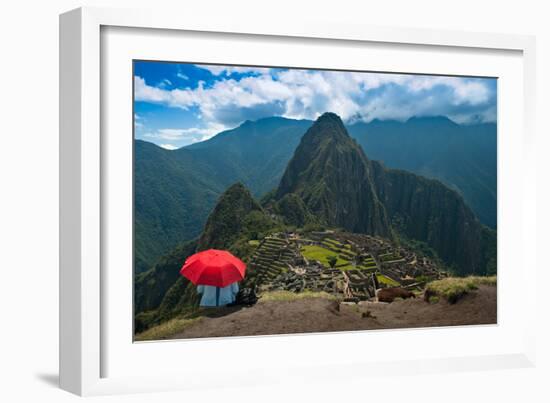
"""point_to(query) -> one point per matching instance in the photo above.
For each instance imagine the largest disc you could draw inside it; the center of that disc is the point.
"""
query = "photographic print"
(276, 200)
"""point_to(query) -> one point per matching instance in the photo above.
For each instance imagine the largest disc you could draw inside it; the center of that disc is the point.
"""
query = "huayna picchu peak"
(331, 174)
(343, 188)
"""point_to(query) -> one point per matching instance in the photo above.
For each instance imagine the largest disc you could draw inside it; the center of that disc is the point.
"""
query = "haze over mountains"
(175, 191)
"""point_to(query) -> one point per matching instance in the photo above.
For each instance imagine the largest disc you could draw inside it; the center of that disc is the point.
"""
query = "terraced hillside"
(270, 259)
(351, 266)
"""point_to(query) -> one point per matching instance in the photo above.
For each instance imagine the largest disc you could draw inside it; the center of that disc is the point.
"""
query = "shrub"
(454, 288)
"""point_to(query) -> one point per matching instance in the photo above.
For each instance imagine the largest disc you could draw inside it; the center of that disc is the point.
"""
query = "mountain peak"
(227, 218)
(237, 187)
(329, 116)
(331, 122)
(331, 175)
(431, 119)
(327, 130)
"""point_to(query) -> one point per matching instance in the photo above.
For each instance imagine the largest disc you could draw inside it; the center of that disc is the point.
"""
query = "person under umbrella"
(216, 296)
(216, 274)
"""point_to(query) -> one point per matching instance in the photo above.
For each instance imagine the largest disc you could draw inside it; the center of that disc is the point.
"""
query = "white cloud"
(473, 93)
(165, 83)
(227, 70)
(168, 146)
(166, 134)
(185, 136)
(182, 76)
(144, 92)
(138, 121)
(305, 94)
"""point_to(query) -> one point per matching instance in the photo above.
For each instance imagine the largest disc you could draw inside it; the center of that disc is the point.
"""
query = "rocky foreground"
(324, 314)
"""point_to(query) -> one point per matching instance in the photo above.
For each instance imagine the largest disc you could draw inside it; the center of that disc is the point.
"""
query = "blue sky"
(177, 104)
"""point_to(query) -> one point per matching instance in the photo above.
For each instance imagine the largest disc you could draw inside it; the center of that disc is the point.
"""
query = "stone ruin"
(277, 264)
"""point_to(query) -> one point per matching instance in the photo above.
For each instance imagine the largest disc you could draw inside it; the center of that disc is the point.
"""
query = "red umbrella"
(218, 268)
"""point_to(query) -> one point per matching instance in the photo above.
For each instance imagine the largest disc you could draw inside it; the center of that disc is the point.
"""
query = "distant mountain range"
(328, 183)
(464, 157)
(175, 191)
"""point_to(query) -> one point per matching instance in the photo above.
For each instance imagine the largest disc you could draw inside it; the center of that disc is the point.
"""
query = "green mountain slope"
(151, 286)
(255, 153)
(464, 157)
(330, 173)
(173, 195)
(293, 211)
(343, 188)
(228, 218)
(426, 210)
(175, 191)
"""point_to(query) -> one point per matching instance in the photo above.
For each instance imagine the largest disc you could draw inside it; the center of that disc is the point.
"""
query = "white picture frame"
(83, 174)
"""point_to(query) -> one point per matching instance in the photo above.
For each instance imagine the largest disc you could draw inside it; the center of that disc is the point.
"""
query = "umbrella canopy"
(217, 268)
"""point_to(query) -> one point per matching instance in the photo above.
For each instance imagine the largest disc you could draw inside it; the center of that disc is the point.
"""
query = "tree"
(332, 261)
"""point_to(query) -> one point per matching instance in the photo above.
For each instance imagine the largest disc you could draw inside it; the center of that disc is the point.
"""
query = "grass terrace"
(333, 243)
(315, 252)
(386, 280)
(369, 262)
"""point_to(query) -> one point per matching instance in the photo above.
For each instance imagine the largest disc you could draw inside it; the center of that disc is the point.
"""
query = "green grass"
(314, 252)
(335, 249)
(454, 288)
(254, 242)
(333, 242)
(166, 329)
(387, 281)
(294, 296)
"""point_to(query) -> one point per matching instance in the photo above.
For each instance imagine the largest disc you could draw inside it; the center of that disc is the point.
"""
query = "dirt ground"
(323, 315)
